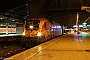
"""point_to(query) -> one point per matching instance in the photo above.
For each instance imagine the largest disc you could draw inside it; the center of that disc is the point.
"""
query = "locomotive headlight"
(39, 34)
(31, 27)
(23, 33)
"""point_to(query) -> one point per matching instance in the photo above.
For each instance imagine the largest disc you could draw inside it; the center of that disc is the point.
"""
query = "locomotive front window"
(32, 24)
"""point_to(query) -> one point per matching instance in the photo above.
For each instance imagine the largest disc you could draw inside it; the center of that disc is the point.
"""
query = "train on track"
(40, 30)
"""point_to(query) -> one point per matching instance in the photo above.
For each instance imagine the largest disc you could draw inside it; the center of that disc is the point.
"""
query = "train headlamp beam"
(31, 27)
(39, 34)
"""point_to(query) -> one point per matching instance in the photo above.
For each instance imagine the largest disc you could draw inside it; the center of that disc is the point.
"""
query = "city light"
(31, 27)
(77, 26)
(1, 18)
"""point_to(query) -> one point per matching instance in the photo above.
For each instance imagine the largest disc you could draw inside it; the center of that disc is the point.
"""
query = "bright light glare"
(76, 29)
(39, 34)
(1, 18)
(31, 26)
(23, 33)
(77, 26)
(88, 25)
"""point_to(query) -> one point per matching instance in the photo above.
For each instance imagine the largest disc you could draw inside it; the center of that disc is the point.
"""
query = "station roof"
(18, 14)
(64, 13)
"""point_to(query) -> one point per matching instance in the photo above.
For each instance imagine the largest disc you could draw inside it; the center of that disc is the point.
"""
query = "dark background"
(6, 5)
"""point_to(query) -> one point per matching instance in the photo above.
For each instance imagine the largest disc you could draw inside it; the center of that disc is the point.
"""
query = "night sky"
(6, 5)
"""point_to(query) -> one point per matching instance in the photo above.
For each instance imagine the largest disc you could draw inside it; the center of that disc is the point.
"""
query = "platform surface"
(6, 35)
(67, 47)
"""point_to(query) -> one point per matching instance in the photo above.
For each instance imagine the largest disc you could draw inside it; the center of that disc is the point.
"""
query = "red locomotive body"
(40, 29)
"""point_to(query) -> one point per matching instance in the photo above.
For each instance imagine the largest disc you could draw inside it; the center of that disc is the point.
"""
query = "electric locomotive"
(40, 29)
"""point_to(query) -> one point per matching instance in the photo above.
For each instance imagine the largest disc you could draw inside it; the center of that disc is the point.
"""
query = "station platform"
(9, 37)
(67, 47)
(6, 35)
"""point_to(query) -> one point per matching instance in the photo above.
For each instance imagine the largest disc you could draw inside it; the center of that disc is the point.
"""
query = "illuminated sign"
(55, 26)
(77, 26)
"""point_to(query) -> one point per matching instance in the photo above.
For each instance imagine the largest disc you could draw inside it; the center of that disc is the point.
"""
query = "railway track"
(8, 49)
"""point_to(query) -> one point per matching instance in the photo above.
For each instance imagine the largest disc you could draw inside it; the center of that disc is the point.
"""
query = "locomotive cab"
(37, 30)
